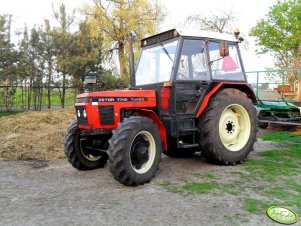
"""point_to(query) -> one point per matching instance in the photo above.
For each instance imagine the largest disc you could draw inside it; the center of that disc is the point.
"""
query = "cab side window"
(225, 68)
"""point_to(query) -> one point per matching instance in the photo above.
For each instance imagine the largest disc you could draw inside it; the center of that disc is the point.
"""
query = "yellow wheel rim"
(143, 152)
(234, 127)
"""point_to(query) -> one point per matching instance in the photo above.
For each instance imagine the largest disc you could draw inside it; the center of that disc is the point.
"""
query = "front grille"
(106, 115)
(81, 120)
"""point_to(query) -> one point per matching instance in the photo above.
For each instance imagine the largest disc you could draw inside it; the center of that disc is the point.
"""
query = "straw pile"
(34, 135)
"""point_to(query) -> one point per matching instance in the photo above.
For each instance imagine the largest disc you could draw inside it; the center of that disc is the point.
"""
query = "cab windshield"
(156, 62)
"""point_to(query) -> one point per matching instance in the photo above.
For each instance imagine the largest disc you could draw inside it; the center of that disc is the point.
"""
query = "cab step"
(188, 130)
(186, 145)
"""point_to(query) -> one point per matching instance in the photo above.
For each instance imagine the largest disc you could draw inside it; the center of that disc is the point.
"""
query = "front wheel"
(135, 151)
(228, 127)
(80, 156)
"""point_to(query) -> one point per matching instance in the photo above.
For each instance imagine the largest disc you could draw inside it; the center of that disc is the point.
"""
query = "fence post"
(299, 85)
(257, 80)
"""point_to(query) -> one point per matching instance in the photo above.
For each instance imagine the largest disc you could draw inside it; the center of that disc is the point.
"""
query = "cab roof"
(166, 35)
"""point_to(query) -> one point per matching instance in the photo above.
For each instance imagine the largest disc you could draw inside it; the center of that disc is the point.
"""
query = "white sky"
(247, 13)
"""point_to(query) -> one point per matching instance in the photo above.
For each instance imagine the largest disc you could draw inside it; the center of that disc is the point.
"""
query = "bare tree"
(220, 21)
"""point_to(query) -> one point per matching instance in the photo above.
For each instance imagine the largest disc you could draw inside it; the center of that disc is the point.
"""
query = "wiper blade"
(211, 61)
(167, 53)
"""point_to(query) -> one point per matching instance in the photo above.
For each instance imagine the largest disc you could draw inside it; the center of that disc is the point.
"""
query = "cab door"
(192, 77)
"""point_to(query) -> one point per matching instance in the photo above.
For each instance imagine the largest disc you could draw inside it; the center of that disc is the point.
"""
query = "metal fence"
(268, 85)
(274, 85)
(19, 98)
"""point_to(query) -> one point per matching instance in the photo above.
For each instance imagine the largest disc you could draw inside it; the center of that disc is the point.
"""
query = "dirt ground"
(54, 193)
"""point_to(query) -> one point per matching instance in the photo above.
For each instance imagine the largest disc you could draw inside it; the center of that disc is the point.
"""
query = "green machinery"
(278, 100)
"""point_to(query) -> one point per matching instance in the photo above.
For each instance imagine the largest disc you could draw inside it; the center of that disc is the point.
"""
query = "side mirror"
(89, 81)
(223, 49)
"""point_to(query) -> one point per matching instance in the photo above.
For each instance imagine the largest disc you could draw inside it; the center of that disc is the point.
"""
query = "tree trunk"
(299, 88)
(41, 97)
(48, 97)
(121, 59)
(48, 84)
(29, 94)
(63, 91)
(22, 95)
(6, 93)
(35, 96)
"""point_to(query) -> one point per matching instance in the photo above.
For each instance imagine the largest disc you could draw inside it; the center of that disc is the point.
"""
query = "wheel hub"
(142, 152)
(234, 127)
(89, 154)
(230, 127)
(139, 152)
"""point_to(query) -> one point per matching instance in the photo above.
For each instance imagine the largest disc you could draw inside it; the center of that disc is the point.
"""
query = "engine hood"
(137, 98)
(119, 93)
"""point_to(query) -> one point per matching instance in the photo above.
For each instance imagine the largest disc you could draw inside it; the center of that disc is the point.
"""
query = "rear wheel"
(81, 157)
(228, 127)
(135, 151)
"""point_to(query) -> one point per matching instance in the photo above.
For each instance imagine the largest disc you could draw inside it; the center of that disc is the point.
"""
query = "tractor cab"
(186, 65)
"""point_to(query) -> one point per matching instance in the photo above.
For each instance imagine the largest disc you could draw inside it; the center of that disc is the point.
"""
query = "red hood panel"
(119, 99)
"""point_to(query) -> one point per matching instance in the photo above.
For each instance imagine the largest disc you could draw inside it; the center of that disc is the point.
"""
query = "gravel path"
(57, 194)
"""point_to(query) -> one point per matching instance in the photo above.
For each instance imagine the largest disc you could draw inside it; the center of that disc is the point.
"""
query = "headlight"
(78, 113)
(84, 113)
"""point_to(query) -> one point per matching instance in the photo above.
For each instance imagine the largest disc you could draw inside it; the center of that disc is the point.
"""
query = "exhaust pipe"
(132, 63)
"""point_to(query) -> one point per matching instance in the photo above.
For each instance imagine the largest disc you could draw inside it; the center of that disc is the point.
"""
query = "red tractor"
(189, 93)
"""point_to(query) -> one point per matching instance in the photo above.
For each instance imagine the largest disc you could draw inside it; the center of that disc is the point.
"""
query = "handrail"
(282, 83)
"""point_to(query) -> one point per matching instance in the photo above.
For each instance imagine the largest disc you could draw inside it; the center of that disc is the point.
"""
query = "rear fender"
(152, 115)
(244, 87)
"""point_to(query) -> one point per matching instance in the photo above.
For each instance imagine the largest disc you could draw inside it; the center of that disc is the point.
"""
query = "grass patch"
(295, 201)
(172, 188)
(21, 99)
(278, 168)
(277, 192)
(200, 188)
(237, 173)
(293, 186)
(282, 136)
(255, 205)
(275, 164)
(205, 175)
(194, 187)
(8, 113)
(270, 169)
(233, 189)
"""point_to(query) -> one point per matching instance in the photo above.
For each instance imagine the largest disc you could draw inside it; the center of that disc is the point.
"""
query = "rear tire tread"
(207, 120)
